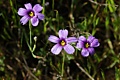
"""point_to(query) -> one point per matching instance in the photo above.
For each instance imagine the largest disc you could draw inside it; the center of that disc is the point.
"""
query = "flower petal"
(34, 21)
(63, 33)
(40, 16)
(22, 11)
(53, 39)
(90, 39)
(28, 6)
(91, 50)
(56, 49)
(82, 38)
(95, 43)
(69, 49)
(71, 39)
(37, 8)
(24, 19)
(80, 44)
(85, 53)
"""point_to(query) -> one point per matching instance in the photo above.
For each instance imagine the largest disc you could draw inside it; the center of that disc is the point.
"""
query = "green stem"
(72, 8)
(30, 28)
(43, 12)
(29, 46)
(63, 60)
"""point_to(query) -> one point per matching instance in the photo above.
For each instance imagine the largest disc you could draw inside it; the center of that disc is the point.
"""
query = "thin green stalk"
(94, 68)
(53, 5)
(30, 28)
(63, 60)
(43, 12)
(30, 47)
(71, 14)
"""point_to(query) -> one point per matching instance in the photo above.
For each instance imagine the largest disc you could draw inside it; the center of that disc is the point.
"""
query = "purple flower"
(87, 45)
(31, 14)
(62, 42)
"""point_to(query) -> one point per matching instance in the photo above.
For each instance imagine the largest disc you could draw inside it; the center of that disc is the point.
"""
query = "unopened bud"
(35, 38)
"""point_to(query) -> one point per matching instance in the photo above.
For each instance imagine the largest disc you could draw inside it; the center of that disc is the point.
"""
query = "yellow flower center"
(31, 13)
(62, 43)
(87, 45)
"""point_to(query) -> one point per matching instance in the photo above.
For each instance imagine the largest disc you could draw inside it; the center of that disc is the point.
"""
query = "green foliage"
(2, 65)
(31, 59)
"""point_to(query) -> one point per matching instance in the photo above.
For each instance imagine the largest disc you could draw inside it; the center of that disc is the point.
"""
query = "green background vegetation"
(100, 18)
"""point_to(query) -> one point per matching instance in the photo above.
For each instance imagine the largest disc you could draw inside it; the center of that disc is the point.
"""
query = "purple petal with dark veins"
(95, 43)
(91, 50)
(56, 49)
(90, 39)
(63, 33)
(37, 8)
(40, 16)
(82, 38)
(85, 53)
(28, 6)
(53, 39)
(71, 39)
(69, 49)
(34, 21)
(22, 12)
(80, 44)
(24, 19)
